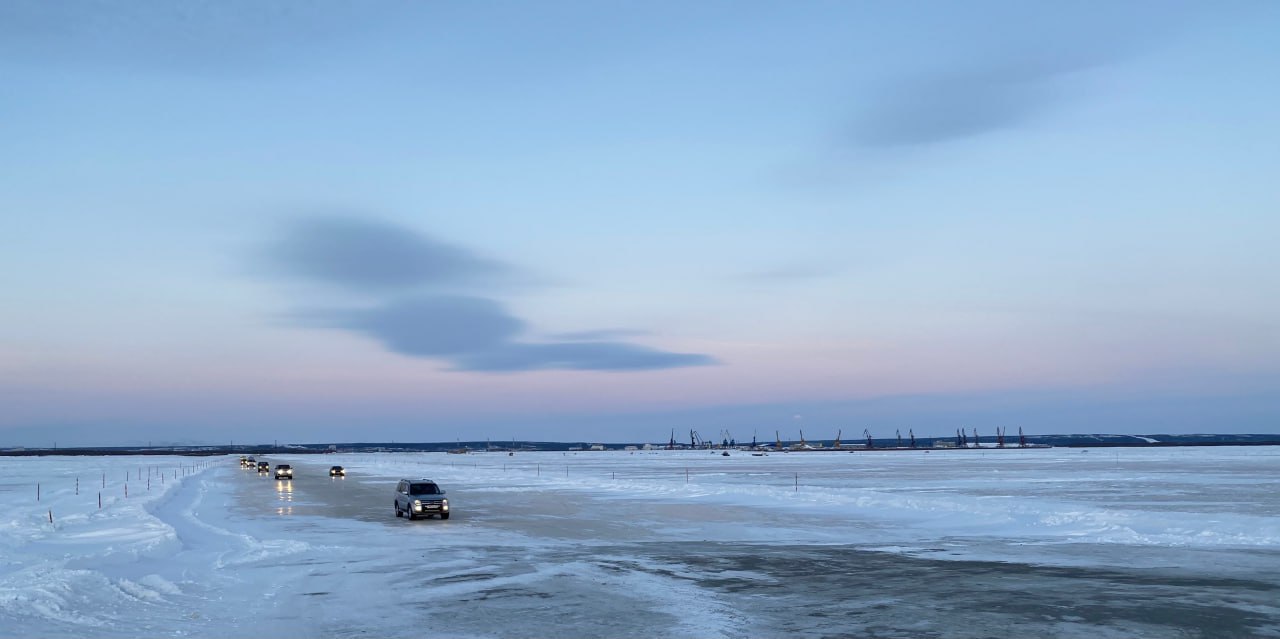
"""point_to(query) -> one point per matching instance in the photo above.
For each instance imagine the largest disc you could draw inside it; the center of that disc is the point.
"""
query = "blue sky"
(339, 221)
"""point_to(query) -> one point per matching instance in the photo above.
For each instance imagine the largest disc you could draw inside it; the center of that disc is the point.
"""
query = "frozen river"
(996, 543)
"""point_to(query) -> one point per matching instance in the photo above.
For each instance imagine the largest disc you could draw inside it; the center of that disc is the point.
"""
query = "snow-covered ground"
(1063, 542)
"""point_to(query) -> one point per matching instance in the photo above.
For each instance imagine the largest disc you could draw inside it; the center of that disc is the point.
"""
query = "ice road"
(997, 543)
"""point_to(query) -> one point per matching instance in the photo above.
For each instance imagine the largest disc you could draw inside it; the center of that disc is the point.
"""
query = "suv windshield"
(423, 489)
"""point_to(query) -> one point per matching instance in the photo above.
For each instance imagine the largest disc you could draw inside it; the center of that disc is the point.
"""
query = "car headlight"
(444, 504)
(417, 504)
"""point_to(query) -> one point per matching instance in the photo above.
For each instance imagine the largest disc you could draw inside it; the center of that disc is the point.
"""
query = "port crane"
(727, 440)
(803, 445)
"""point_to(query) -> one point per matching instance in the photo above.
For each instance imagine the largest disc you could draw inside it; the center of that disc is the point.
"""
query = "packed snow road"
(952, 544)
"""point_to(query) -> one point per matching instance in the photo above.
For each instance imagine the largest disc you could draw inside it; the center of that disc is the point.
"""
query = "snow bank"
(49, 567)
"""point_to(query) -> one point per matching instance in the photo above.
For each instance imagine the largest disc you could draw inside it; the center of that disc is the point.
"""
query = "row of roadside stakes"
(152, 471)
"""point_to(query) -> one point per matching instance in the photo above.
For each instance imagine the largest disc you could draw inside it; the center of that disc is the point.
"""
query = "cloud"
(602, 334)
(363, 255)
(996, 81)
(613, 356)
(430, 326)
(478, 334)
(429, 301)
(958, 104)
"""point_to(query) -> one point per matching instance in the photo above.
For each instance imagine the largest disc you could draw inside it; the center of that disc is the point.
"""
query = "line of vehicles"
(283, 471)
(414, 497)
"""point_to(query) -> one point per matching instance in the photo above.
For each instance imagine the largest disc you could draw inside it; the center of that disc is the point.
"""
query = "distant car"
(337, 471)
(244, 462)
(249, 463)
(264, 467)
(420, 498)
(284, 471)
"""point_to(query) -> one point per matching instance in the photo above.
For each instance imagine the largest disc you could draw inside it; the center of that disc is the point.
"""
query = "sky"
(323, 221)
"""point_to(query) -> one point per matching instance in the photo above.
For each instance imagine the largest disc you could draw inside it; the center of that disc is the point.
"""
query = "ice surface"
(1113, 542)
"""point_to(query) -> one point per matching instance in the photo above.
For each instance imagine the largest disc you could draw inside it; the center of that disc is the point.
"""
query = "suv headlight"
(444, 504)
(417, 504)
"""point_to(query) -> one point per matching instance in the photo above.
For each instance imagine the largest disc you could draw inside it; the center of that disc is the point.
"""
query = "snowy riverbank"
(666, 543)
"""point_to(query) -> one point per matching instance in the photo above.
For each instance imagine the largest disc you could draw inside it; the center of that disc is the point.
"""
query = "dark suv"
(420, 498)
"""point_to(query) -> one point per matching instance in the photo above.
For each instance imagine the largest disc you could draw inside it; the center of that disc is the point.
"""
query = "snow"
(607, 543)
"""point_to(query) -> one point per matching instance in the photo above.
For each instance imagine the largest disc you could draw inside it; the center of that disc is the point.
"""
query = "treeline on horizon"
(1058, 441)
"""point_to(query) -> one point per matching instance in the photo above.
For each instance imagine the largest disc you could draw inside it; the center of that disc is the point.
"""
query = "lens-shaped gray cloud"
(429, 301)
(430, 326)
(478, 334)
(364, 255)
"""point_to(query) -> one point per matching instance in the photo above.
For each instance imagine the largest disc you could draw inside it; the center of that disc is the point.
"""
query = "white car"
(420, 498)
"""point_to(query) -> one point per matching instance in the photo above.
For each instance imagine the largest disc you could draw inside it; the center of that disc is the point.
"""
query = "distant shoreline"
(482, 447)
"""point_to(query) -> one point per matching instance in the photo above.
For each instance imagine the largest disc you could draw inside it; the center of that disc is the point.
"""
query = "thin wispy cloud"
(406, 271)
(596, 356)
(601, 334)
(787, 273)
(938, 107)
(977, 77)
